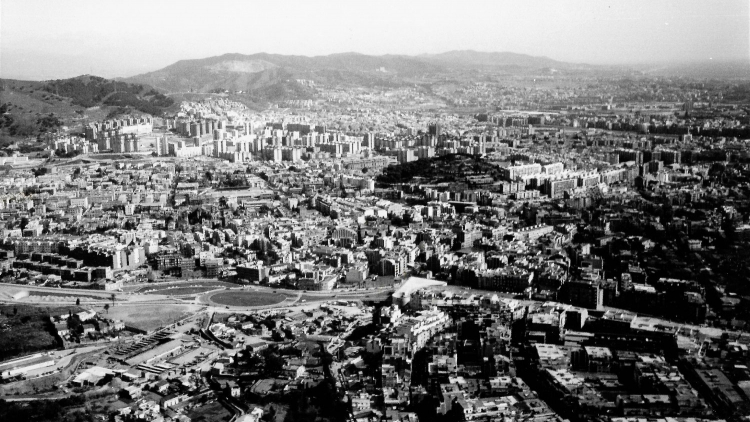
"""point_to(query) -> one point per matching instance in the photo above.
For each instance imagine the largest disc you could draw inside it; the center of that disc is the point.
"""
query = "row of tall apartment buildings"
(120, 136)
(288, 147)
(124, 126)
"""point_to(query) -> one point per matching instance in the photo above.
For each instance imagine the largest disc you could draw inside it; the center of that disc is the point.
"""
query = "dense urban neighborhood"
(565, 244)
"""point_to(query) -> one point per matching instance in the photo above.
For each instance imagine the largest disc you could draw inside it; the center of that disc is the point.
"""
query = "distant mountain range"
(709, 69)
(496, 59)
(265, 77)
(268, 75)
(273, 78)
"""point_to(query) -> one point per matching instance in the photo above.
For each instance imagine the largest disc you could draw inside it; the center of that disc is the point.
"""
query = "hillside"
(28, 108)
(272, 76)
(90, 91)
(257, 72)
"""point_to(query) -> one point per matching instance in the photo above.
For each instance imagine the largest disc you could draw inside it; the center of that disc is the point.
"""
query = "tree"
(729, 225)
(271, 414)
(667, 214)
(273, 362)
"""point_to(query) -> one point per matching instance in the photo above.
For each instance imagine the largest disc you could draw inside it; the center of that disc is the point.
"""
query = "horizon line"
(742, 61)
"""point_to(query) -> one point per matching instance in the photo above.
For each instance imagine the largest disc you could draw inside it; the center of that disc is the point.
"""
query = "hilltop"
(31, 107)
(90, 91)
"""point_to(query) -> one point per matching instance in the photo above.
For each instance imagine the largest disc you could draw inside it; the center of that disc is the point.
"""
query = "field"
(211, 412)
(247, 298)
(148, 317)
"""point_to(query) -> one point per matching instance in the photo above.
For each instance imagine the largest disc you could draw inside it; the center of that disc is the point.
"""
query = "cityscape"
(410, 232)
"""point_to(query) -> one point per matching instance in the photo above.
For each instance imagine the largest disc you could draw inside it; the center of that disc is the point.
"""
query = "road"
(130, 299)
(34, 398)
(134, 299)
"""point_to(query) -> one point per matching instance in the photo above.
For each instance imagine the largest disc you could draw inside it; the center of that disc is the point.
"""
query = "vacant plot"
(381, 281)
(211, 412)
(148, 317)
(247, 298)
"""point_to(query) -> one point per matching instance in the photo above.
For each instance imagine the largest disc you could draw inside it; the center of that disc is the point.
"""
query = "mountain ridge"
(259, 71)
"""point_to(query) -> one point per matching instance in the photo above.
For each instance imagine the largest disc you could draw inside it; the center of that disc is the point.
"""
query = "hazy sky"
(45, 39)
